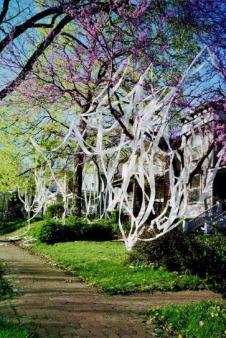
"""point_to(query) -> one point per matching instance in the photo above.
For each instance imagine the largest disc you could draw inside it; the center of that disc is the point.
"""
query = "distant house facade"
(203, 141)
(200, 131)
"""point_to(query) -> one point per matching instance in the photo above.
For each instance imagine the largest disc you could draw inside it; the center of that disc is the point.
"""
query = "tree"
(147, 26)
(10, 166)
(76, 65)
(75, 68)
(9, 170)
(146, 132)
(55, 15)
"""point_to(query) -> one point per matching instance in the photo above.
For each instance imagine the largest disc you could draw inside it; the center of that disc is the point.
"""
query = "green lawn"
(203, 320)
(19, 228)
(10, 329)
(103, 264)
(9, 227)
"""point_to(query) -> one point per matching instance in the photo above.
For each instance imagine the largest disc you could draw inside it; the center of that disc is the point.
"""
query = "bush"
(36, 228)
(76, 226)
(97, 230)
(177, 251)
(209, 259)
(55, 210)
(52, 231)
(100, 230)
(166, 250)
(74, 221)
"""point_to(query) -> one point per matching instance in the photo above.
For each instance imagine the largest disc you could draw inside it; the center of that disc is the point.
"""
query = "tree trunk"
(78, 178)
(78, 174)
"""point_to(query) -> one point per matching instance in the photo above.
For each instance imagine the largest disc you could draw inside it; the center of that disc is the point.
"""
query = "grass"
(9, 329)
(202, 320)
(20, 227)
(104, 266)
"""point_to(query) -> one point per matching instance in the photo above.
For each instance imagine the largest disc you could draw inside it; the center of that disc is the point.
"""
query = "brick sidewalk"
(62, 306)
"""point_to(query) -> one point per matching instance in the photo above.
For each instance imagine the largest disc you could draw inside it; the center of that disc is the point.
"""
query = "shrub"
(209, 259)
(75, 226)
(75, 221)
(165, 250)
(36, 228)
(177, 251)
(53, 231)
(97, 230)
(55, 210)
(100, 230)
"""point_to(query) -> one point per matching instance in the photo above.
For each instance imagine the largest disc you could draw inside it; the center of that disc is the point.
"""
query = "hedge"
(202, 255)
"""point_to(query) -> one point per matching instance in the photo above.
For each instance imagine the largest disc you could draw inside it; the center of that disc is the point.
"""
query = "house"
(204, 205)
(203, 138)
(204, 148)
(212, 209)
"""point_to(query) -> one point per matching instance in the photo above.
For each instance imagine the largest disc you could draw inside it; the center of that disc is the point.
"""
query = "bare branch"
(20, 29)
(72, 37)
(39, 51)
(4, 10)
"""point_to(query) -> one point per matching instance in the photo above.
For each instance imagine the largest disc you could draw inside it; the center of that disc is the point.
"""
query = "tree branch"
(72, 37)
(117, 117)
(47, 25)
(28, 66)
(200, 163)
(4, 10)
(18, 30)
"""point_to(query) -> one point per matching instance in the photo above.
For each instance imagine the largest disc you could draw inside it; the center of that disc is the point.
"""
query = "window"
(195, 189)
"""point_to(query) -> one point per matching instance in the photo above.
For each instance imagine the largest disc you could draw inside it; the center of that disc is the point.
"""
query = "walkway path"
(61, 306)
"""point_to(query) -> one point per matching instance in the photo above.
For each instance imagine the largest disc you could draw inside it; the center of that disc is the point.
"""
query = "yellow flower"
(225, 332)
(201, 323)
(212, 314)
(180, 336)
